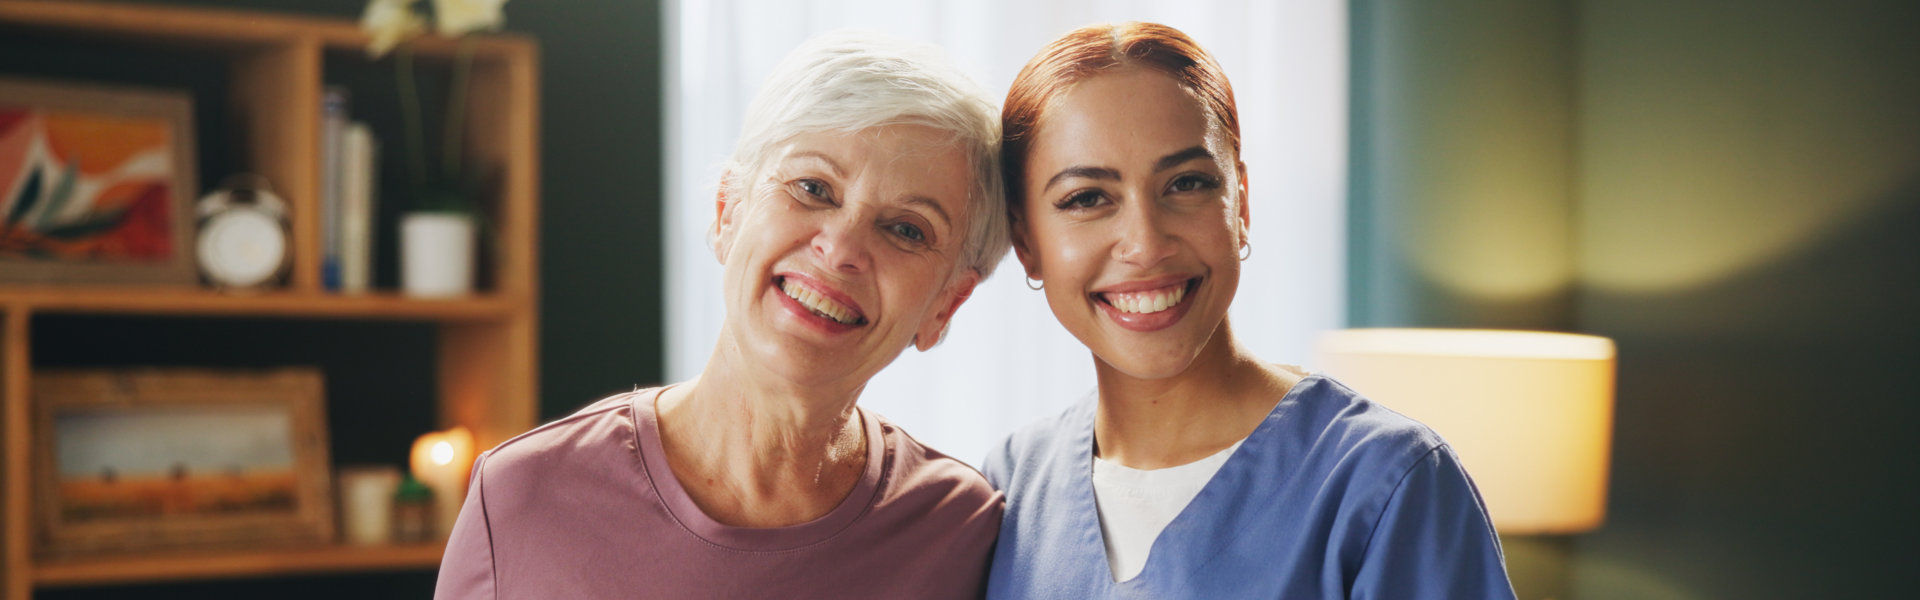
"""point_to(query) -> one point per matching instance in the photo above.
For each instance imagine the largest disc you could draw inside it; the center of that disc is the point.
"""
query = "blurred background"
(1728, 190)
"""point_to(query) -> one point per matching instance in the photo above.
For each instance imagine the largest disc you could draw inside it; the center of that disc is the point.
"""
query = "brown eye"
(1192, 182)
(1081, 200)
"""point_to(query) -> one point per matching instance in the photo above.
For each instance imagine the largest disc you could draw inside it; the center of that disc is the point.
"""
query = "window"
(1006, 361)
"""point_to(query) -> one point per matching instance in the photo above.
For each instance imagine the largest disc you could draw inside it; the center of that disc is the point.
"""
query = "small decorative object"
(436, 254)
(366, 503)
(442, 460)
(412, 512)
(149, 459)
(243, 235)
(96, 184)
(438, 237)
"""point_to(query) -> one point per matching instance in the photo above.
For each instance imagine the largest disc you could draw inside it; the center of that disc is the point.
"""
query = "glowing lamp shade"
(1529, 413)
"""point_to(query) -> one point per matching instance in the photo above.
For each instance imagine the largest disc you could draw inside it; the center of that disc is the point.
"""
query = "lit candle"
(441, 459)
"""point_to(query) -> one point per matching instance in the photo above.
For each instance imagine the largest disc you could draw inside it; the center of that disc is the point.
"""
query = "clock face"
(242, 247)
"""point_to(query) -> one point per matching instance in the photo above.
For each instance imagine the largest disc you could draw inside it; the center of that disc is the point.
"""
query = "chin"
(1149, 366)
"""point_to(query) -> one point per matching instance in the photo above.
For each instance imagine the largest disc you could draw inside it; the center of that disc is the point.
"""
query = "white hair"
(847, 81)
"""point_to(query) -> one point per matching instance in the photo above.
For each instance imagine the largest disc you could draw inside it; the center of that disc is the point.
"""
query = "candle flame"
(442, 453)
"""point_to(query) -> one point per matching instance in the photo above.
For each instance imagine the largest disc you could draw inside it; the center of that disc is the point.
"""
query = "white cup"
(366, 503)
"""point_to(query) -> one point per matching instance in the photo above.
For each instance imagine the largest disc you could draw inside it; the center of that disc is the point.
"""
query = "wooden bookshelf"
(487, 357)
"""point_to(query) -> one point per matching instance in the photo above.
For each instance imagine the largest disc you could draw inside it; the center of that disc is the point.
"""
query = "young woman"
(1198, 471)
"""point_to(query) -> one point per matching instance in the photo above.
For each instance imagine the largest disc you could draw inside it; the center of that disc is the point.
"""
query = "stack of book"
(349, 182)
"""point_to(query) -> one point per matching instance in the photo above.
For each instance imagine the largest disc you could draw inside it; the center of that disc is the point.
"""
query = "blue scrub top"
(1332, 496)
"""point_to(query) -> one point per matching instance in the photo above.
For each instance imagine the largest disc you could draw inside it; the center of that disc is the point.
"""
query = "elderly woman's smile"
(820, 302)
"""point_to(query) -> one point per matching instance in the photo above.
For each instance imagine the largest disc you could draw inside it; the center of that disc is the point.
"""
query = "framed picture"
(142, 459)
(96, 184)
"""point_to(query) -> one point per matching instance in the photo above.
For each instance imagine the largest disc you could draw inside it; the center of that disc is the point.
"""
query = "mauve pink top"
(586, 507)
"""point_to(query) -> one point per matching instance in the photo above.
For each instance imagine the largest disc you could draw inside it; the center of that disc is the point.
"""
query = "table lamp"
(1529, 413)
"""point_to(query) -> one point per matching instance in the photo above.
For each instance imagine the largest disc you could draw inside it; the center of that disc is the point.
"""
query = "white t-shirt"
(1135, 505)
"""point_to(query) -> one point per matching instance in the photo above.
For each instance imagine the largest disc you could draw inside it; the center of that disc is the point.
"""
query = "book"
(333, 123)
(359, 153)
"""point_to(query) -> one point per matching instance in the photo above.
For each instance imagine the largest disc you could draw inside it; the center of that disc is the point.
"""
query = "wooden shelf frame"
(488, 344)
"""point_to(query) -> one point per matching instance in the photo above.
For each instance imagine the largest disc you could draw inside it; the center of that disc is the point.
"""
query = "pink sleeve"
(466, 571)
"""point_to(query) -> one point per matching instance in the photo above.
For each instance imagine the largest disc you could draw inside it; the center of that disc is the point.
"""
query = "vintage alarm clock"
(243, 236)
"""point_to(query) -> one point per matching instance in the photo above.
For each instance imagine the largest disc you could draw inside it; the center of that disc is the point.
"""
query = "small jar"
(412, 512)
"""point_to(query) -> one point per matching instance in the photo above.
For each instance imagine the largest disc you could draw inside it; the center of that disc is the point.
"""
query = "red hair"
(1089, 51)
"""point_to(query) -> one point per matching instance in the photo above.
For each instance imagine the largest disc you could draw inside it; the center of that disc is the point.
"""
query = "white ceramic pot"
(436, 254)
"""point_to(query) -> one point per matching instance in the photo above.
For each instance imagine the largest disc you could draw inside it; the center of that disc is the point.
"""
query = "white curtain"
(1007, 361)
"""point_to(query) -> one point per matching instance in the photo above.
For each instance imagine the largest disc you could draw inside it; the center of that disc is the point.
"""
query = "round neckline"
(1089, 516)
(1211, 462)
(681, 507)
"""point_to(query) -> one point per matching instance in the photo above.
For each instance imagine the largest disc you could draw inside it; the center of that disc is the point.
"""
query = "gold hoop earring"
(1029, 281)
(1246, 250)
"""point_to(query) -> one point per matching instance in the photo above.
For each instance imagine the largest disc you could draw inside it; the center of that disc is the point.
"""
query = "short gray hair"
(847, 81)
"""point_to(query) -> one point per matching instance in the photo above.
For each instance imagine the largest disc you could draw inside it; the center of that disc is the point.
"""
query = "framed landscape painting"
(145, 459)
(96, 184)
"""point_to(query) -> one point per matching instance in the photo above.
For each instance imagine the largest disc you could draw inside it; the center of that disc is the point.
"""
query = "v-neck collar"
(1178, 536)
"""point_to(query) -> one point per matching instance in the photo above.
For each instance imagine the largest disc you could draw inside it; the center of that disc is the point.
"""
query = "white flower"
(459, 17)
(390, 22)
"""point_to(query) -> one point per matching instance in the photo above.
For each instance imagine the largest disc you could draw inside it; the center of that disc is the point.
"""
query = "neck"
(755, 451)
(1222, 395)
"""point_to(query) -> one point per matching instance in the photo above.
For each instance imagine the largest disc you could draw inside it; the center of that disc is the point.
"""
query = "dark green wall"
(1460, 129)
(1744, 195)
(600, 255)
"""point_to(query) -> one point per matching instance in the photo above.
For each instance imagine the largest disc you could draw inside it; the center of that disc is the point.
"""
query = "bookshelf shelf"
(183, 566)
(276, 66)
(165, 301)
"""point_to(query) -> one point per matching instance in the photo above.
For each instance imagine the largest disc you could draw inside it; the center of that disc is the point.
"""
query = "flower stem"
(457, 109)
(410, 115)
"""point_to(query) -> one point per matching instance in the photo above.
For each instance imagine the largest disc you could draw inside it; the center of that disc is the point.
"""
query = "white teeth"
(1147, 302)
(818, 303)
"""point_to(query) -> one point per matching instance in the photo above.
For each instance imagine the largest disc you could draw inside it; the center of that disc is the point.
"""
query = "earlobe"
(1022, 251)
(934, 329)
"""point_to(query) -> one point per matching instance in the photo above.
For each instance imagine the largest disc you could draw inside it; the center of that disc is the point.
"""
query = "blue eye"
(814, 189)
(908, 232)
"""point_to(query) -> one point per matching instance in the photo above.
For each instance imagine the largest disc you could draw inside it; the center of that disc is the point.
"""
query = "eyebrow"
(1082, 172)
(932, 205)
(822, 157)
(1173, 160)
(1166, 162)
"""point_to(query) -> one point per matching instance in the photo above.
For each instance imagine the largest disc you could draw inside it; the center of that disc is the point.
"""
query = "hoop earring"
(1029, 281)
(1246, 250)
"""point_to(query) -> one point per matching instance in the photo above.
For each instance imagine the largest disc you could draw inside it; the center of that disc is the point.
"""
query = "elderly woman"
(1197, 470)
(861, 206)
